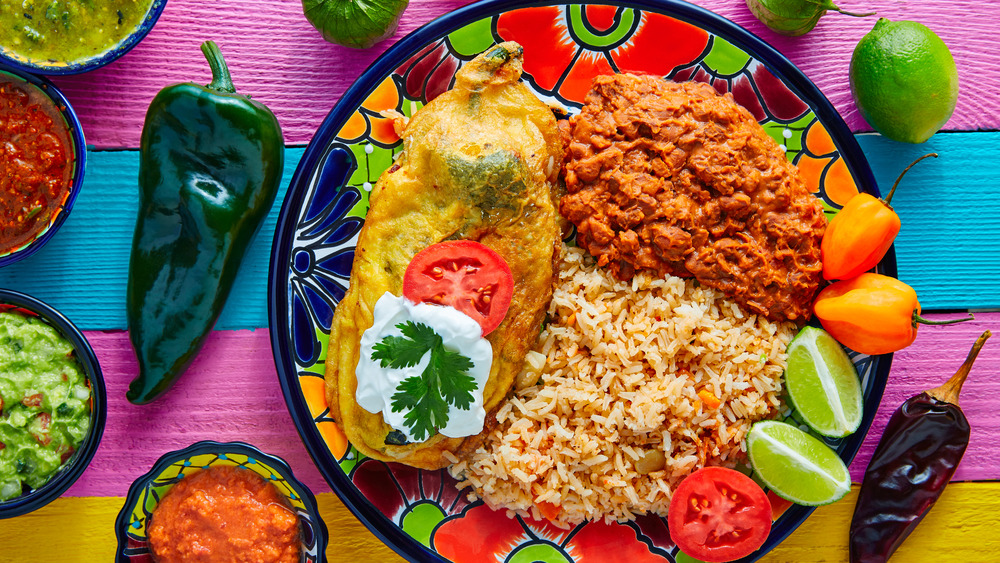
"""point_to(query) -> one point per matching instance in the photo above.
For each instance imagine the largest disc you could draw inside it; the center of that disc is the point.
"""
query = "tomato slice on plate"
(464, 274)
(719, 514)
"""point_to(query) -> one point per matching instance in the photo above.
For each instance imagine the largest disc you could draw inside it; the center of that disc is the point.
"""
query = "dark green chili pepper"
(794, 17)
(916, 457)
(210, 164)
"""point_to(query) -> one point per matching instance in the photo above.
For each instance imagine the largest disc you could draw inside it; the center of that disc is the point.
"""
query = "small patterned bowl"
(146, 492)
(77, 464)
(78, 162)
(51, 67)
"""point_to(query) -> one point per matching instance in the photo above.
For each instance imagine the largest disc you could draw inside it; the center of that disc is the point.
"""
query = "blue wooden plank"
(82, 271)
(947, 250)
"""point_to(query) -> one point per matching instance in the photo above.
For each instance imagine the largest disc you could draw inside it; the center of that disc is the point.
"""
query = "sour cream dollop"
(459, 333)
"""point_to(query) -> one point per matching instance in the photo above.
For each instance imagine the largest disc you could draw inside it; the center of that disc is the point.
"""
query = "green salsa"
(65, 31)
(44, 403)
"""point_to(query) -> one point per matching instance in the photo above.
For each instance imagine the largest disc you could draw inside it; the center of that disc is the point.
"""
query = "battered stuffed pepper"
(429, 337)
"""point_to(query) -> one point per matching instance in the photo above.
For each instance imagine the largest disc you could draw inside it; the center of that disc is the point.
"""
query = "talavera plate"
(420, 514)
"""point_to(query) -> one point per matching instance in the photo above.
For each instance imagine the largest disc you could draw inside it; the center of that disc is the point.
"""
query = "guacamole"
(44, 403)
(67, 30)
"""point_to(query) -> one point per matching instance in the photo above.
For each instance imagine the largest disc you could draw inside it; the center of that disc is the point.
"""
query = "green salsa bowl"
(73, 36)
(76, 460)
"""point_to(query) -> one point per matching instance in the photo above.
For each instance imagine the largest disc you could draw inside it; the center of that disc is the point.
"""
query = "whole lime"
(904, 80)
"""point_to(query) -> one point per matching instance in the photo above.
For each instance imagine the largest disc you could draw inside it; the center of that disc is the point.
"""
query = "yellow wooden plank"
(67, 529)
(960, 528)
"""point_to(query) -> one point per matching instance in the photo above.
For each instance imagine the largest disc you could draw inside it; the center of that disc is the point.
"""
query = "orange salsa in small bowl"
(220, 502)
(224, 514)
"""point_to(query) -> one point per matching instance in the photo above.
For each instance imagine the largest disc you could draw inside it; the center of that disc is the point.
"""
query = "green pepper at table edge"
(210, 165)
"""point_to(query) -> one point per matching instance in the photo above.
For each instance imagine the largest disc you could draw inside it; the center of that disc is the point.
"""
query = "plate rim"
(776, 63)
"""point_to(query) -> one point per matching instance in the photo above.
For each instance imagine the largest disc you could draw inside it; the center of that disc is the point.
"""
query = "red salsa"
(36, 162)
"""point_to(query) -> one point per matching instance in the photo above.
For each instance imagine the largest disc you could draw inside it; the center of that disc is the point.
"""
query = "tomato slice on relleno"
(463, 274)
(719, 514)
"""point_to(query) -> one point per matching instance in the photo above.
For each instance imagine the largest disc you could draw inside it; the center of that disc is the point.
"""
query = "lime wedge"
(823, 384)
(795, 465)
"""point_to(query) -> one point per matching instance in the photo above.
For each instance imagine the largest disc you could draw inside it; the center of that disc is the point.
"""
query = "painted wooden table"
(947, 250)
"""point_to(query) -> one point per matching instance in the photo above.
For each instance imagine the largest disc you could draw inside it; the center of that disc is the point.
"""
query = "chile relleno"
(210, 164)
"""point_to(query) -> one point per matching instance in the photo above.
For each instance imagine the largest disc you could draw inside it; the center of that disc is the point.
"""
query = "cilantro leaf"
(405, 351)
(445, 381)
(451, 369)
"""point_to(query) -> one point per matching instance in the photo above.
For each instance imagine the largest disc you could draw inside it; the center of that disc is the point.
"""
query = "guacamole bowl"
(50, 422)
(74, 36)
(35, 101)
(146, 492)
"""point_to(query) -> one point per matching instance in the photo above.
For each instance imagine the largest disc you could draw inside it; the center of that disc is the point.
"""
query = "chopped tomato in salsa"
(35, 163)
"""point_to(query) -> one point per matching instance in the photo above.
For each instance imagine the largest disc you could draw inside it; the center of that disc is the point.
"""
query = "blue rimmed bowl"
(78, 462)
(146, 492)
(76, 66)
(47, 93)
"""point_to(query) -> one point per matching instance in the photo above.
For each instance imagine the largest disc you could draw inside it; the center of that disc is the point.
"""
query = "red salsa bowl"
(42, 161)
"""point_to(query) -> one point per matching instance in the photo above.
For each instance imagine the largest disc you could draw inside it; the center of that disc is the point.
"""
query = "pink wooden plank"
(232, 393)
(930, 361)
(287, 65)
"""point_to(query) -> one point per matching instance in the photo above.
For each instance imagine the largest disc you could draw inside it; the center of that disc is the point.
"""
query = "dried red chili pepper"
(858, 237)
(920, 449)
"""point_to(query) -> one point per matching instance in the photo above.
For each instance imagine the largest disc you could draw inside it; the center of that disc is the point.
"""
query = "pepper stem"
(888, 198)
(918, 319)
(221, 80)
(953, 387)
(855, 14)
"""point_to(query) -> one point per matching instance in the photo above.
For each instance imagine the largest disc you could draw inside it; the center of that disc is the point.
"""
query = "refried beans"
(677, 179)
(224, 514)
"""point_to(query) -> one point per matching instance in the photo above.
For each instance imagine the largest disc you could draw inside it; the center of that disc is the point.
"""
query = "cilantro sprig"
(445, 381)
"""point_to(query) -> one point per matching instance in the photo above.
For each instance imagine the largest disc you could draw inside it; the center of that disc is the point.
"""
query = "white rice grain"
(624, 363)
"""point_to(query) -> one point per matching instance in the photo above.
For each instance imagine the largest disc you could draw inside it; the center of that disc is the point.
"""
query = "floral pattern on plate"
(420, 513)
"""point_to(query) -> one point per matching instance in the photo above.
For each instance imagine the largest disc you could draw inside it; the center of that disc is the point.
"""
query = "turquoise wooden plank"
(82, 271)
(947, 248)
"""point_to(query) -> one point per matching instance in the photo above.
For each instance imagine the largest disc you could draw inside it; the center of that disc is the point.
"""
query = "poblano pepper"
(210, 164)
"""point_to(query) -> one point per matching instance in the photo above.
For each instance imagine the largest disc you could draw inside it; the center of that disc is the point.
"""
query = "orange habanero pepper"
(872, 314)
(859, 235)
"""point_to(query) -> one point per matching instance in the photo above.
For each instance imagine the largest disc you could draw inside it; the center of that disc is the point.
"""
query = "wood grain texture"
(949, 243)
(277, 56)
(231, 392)
(83, 270)
(73, 530)
(946, 250)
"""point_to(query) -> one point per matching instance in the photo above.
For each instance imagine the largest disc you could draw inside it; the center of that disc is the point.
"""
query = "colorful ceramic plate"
(146, 492)
(419, 513)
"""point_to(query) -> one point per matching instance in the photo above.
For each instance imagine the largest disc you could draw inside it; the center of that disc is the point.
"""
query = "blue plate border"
(278, 319)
